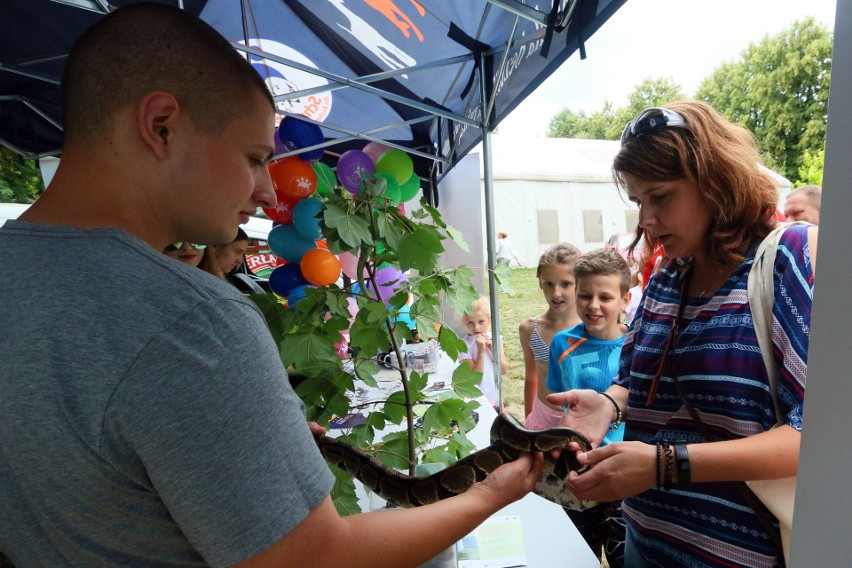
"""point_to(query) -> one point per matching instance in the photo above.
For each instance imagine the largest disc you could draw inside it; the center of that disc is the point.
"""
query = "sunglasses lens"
(652, 120)
(175, 246)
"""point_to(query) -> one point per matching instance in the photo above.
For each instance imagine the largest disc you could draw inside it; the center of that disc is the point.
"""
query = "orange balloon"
(293, 177)
(320, 267)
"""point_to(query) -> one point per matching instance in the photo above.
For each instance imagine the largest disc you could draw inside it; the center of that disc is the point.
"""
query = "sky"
(684, 40)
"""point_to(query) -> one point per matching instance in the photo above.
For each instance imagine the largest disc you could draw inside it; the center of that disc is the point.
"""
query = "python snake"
(508, 439)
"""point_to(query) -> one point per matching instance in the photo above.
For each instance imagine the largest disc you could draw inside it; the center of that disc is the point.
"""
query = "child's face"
(558, 286)
(600, 303)
(476, 323)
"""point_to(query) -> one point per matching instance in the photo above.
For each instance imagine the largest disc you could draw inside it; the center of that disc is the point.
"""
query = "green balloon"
(392, 191)
(396, 163)
(326, 180)
(409, 189)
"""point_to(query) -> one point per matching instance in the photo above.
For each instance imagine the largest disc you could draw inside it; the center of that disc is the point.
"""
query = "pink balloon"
(349, 264)
(352, 306)
(375, 150)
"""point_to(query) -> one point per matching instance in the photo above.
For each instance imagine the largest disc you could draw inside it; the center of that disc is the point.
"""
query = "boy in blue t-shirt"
(586, 357)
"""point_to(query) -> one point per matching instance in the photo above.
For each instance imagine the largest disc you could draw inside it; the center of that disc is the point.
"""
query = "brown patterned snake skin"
(508, 439)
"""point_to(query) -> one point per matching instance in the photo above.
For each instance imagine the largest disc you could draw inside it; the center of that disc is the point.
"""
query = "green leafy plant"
(310, 334)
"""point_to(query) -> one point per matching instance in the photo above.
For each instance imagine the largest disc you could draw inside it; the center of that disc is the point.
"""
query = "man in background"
(802, 204)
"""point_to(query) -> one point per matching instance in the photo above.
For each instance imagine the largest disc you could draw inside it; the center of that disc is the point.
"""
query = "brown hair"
(560, 253)
(721, 161)
(143, 48)
(606, 262)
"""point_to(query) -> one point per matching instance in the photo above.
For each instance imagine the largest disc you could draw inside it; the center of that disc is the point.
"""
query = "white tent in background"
(548, 190)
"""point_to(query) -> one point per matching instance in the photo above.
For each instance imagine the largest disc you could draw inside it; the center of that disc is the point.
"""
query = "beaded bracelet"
(659, 464)
(669, 455)
(617, 422)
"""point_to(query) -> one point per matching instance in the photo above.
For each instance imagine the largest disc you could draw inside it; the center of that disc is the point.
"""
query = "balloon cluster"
(389, 164)
(296, 215)
(297, 212)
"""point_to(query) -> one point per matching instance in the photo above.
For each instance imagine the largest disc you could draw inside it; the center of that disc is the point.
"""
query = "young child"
(555, 275)
(586, 357)
(479, 351)
(635, 295)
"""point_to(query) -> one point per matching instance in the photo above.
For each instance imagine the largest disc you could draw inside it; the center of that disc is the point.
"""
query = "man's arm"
(404, 537)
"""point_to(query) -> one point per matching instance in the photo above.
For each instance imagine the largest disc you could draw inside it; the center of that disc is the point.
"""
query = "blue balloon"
(285, 242)
(404, 317)
(286, 277)
(306, 218)
(295, 133)
(296, 295)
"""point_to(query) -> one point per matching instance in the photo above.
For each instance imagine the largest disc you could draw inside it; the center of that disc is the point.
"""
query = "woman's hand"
(589, 412)
(621, 469)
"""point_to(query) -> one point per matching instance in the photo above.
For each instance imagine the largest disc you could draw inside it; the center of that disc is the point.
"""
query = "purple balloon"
(389, 280)
(349, 167)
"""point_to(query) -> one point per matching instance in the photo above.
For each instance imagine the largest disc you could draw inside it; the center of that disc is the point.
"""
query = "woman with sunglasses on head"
(692, 385)
(200, 256)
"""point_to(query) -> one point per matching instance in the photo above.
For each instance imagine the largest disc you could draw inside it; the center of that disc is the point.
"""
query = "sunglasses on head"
(652, 120)
(175, 246)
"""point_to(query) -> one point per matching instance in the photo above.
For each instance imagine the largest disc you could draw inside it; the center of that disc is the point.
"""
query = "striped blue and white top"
(718, 364)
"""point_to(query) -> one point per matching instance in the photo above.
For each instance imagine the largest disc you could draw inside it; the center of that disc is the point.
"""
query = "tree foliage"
(778, 89)
(372, 228)
(20, 179)
(608, 123)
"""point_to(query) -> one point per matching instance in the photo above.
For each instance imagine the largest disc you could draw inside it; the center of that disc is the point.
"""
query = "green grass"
(526, 301)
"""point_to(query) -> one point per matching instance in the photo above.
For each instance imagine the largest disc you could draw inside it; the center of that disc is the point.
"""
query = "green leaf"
(456, 236)
(503, 275)
(389, 231)
(461, 294)
(393, 450)
(394, 408)
(420, 249)
(343, 493)
(417, 382)
(466, 381)
(451, 344)
(305, 349)
(352, 229)
(366, 370)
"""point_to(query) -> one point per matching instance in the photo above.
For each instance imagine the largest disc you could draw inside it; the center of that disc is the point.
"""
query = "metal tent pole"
(490, 238)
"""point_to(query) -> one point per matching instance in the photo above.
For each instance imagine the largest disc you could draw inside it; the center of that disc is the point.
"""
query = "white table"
(550, 538)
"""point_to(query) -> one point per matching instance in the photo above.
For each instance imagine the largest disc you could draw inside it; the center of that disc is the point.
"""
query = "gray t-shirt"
(145, 416)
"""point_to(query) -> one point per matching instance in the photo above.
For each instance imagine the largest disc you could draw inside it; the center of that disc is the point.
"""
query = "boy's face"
(558, 286)
(477, 323)
(600, 304)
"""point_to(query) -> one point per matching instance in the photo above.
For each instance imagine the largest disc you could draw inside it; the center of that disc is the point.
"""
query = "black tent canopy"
(426, 76)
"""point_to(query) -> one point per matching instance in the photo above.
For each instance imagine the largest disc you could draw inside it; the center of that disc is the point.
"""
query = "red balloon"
(293, 177)
(283, 211)
(320, 267)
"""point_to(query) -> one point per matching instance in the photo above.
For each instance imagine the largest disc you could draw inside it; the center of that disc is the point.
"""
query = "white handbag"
(778, 495)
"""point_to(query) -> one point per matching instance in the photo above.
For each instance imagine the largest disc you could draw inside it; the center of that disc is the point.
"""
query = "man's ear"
(156, 120)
